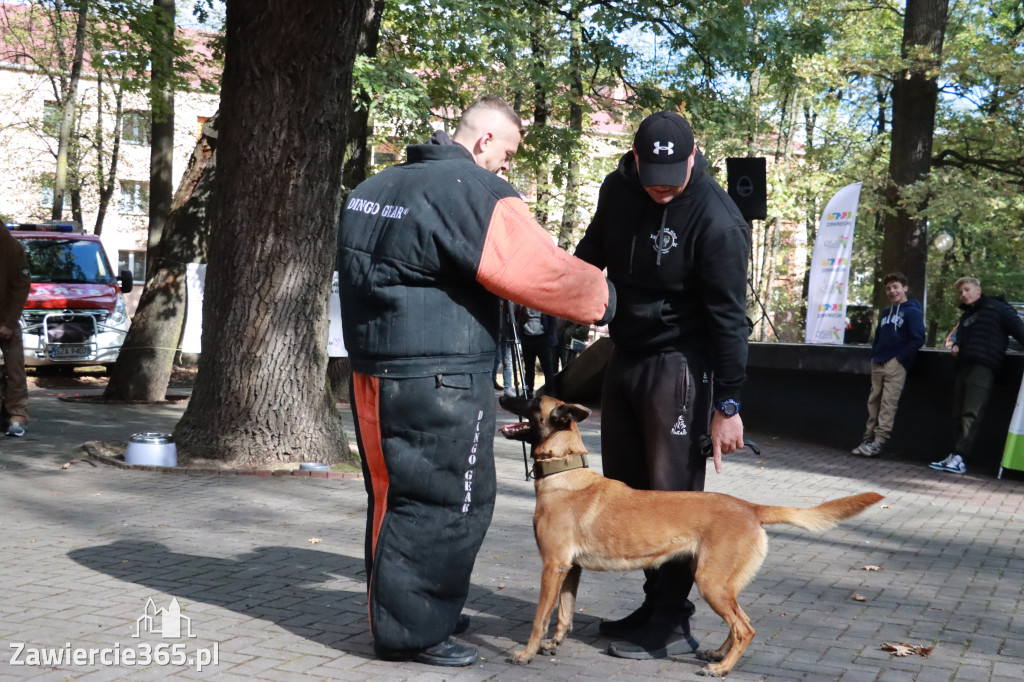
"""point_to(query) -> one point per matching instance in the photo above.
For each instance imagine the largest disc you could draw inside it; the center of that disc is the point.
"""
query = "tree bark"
(144, 366)
(260, 394)
(161, 150)
(914, 98)
(60, 181)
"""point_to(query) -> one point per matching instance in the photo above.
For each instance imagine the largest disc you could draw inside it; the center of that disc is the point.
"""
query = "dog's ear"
(569, 412)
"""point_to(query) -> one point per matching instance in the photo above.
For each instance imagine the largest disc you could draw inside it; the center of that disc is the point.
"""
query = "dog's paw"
(519, 658)
(712, 671)
(712, 655)
(548, 647)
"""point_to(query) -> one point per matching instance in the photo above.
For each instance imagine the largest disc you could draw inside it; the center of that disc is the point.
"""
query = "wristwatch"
(728, 408)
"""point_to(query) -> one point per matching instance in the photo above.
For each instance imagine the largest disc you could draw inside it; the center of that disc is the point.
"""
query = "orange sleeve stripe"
(520, 262)
(367, 396)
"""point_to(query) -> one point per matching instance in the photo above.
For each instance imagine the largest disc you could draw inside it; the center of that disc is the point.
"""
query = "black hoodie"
(680, 270)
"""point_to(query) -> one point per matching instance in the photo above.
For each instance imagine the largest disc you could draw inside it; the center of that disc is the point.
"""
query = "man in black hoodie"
(980, 346)
(675, 247)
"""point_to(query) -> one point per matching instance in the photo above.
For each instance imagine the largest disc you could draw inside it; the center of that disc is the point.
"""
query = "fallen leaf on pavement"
(315, 541)
(872, 568)
(908, 649)
(886, 506)
(859, 597)
(66, 465)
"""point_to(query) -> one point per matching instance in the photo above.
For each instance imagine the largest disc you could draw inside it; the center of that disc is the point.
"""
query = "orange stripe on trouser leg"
(367, 396)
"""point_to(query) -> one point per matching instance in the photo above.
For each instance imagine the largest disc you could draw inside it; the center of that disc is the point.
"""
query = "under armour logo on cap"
(663, 145)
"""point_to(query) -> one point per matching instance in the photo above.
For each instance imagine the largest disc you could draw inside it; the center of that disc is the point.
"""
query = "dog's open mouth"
(515, 430)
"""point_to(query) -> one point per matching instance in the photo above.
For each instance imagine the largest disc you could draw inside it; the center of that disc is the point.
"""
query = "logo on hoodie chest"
(664, 240)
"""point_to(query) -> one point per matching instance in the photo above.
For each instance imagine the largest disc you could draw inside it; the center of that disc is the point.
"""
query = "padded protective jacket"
(679, 270)
(425, 249)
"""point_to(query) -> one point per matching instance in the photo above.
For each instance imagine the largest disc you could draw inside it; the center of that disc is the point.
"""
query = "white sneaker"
(953, 464)
(859, 450)
(872, 449)
(15, 429)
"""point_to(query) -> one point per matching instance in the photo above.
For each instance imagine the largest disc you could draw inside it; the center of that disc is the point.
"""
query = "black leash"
(518, 375)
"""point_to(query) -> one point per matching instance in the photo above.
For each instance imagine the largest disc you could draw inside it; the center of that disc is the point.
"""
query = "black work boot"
(631, 623)
(666, 633)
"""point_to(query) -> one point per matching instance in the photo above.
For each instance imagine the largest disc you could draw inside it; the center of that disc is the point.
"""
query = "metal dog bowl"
(152, 449)
(313, 466)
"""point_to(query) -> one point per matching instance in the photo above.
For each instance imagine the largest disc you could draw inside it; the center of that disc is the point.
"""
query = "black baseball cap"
(663, 144)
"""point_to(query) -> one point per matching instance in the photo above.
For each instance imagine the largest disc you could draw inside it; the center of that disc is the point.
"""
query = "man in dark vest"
(425, 250)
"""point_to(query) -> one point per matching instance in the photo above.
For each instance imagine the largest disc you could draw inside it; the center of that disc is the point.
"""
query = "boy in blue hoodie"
(899, 334)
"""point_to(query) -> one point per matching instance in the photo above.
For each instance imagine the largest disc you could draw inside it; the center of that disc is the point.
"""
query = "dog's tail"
(822, 517)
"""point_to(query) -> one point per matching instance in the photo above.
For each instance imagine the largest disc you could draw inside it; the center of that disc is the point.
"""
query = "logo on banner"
(840, 242)
(828, 288)
(839, 216)
(833, 262)
(829, 334)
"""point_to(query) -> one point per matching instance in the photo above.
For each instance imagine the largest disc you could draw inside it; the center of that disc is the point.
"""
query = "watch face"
(728, 407)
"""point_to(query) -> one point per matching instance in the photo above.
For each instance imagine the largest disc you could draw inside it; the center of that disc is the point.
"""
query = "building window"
(135, 127)
(45, 183)
(384, 158)
(52, 117)
(134, 197)
(134, 261)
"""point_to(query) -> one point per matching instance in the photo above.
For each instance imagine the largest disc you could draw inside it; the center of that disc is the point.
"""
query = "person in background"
(539, 338)
(899, 335)
(15, 284)
(982, 337)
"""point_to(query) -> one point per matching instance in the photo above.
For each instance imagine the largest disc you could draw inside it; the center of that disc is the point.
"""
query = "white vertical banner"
(195, 283)
(335, 339)
(830, 268)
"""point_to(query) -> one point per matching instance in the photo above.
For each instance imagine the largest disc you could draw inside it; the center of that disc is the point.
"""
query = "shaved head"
(491, 130)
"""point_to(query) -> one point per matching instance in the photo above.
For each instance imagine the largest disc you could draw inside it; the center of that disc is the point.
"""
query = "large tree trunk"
(161, 150)
(144, 366)
(914, 97)
(60, 180)
(260, 394)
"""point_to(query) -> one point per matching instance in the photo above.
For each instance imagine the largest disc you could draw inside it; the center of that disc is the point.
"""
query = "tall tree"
(144, 365)
(260, 394)
(161, 98)
(914, 101)
(68, 98)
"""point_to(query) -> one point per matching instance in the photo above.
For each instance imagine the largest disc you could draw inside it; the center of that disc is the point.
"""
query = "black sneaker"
(448, 653)
(631, 623)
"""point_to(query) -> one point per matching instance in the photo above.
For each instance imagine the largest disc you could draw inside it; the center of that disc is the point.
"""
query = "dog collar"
(549, 467)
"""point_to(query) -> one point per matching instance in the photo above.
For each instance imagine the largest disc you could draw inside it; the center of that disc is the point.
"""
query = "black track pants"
(653, 408)
(427, 447)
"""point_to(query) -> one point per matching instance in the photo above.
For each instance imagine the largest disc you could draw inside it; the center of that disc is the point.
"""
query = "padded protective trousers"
(654, 407)
(427, 448)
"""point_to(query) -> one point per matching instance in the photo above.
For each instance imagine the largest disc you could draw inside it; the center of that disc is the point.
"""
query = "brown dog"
(584, 520)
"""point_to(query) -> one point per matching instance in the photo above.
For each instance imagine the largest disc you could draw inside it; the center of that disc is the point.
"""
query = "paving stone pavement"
(269, 571)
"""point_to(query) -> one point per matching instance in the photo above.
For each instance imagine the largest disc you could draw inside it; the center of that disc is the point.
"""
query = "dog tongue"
(512, 429)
